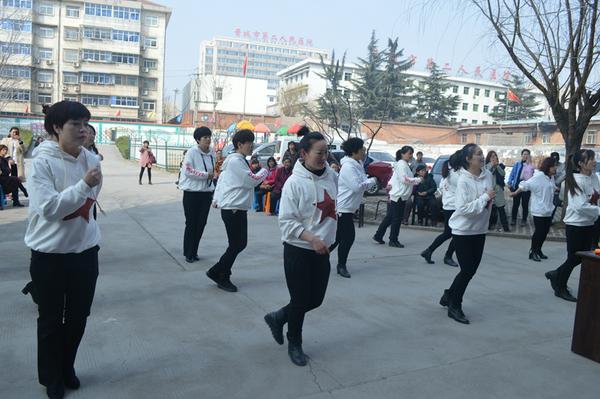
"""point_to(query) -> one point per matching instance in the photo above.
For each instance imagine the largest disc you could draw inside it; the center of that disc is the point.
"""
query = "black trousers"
(149, 173)
(65, 286)
(306, 275)
(520, 199)
(385, 223)
(427, 208)
(396, 211)
(469, 251)
(542, 227)
(499, 211)
(344, 237)
(578, 239)
(275, 196)
(596, 234)
(14, 170)
(236, 225)
(196, 205)
(446, 235)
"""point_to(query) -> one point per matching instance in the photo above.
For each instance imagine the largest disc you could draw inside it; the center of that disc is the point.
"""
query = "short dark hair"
(525, 149)
(294, 143)
(286, 159)
(303, 130)
(59, 113)
(201, 131)
(271, 159)
(2, 146)
(308, 140)
(93, 128)
(146, 141)
(420, 168)
(555, 155)
(546, 164)
(488, 157)
(352, 145)
(419, 152)
(14, 128)
(241, 137)
(403, 151)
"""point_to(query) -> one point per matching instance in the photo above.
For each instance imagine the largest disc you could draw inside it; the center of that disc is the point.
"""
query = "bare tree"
(554, 44)
(14, 66)
(292, 100)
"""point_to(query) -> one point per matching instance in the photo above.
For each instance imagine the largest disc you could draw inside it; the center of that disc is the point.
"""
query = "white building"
(302, 82)
(107, 54)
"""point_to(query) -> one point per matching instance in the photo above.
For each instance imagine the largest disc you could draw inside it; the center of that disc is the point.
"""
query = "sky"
(449, 31)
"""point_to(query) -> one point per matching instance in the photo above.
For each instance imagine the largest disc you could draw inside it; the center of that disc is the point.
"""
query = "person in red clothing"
(283, 173)
(267, 185)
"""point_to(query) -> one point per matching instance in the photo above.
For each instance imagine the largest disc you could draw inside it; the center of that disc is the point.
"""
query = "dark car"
(377, 164)
(264, 152)
(436, 170)
(228, 149)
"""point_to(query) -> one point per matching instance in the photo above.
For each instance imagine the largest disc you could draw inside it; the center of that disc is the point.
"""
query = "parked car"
(436, 170)
(264, 152)
(228, 149)
(377, 164)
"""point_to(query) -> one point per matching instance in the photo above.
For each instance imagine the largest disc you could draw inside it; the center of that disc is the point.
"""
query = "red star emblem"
(327, 207)
(84, 211)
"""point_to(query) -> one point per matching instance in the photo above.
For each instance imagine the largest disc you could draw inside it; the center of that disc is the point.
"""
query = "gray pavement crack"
(315, 378)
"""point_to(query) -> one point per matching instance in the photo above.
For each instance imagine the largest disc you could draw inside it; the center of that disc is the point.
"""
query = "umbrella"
(262, 128)
(282, 130)
(231, 128)
(295, 128)
(245, 125)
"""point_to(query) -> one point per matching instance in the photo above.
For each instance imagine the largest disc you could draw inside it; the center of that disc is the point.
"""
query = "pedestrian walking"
(352, 183)
(582, 212)
(497, 170)
(147, 159)
(196, 182)
(521, 170)
(469, 224)
(8, 182)
(16, 152)
(542, 187)
(307, 219)
(233, 195)
(63, 237)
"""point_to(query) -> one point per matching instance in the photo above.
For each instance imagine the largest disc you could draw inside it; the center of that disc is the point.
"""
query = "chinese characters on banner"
(462, 71)
(267, 38)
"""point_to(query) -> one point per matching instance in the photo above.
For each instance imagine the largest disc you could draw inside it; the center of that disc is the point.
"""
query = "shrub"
(123, 144)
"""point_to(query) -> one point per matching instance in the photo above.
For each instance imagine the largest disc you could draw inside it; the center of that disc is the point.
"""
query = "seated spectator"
(267, 185)
(281, 176)
(292, 152)
(335, 166)
(417, 162)
(10, 184)
(255, 168)
(425, 196)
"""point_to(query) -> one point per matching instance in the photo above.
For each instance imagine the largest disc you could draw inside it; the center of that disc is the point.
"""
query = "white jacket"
(236, 183)
(580, 211)
(56, 192)
(402, 181)
(473, 205)
(542, 189)
(448, 190)
(308, 203)
(195, 169)
(352, 183)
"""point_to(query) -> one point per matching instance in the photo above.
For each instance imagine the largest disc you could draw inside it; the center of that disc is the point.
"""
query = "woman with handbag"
(147, 159)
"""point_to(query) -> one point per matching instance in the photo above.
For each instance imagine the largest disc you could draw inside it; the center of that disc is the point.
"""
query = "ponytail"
(573, 161)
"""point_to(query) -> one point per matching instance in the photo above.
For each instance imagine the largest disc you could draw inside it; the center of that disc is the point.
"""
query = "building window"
(348, 76)
(477, 138)
(126, 80)
(45, 76)
(99, 10)
(475, 107)
(15, 48)
(96, 55)
(528, 138)
(465, 90)
(124, 101)
(97, 78)
(17, 3)
(476, 91)
(454, 89)
(486, 108)
(71, 34)
(151, 20)
(473, 121)
(15, 25)
(15, 95)
(71, 55)
(125, 58)
(45, 9)
(545, 139)
(44, 98)
(96, 33)
(498, 95)
(126, 13)
(453, 119)
(44, 53)
(70, 78)
(484, 122)
(463, 138)
(10, 71)
(486, 92)
(70, 98)
(150, 64)
(95, 101)
(150, 84)
(218, 93)
(126, 36)
(590, 137)
(46, 32)
(150, 42)
(72, 12)
(463, 121)
(149, 105)
(465, 106)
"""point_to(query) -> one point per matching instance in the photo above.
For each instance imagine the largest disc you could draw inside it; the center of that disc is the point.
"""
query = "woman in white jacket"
(582, 212)
(542, 188)
(308, 220)
(352, 183)
(402, 182)
(233, 195)
(63, 236)
(196, 181)
(469, 224)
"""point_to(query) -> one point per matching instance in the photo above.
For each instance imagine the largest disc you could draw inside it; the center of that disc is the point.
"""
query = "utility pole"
(175, 91)
(196, 93)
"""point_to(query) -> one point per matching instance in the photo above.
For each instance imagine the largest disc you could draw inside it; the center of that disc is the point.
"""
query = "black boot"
(427, 256)
(450, 262)
(533, 255)
(541, 254)
(55, 391)
(455, 312)
(342, 271)
(565, 294)
(378, 239)
(552, 277)
(275, 321)
(296, 354)
(395, 244)
(444, 299)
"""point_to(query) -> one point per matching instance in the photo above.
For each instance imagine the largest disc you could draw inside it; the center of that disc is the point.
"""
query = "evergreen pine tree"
(433, 105)
(527, 109)
(396, 87)
(368, 86)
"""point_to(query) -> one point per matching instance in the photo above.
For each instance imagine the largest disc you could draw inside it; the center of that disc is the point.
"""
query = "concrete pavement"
(160, 329)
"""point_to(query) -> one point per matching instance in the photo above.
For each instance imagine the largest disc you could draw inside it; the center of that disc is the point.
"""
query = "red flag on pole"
(513, 97)
(245, 65)
(118, 113)
(27, 109)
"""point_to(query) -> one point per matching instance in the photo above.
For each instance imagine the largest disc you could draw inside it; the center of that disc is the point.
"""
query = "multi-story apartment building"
(109, 55)
(220, 81)
(303, 82)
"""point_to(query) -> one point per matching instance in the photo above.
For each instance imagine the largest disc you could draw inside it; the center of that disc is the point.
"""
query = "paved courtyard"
(160, 329)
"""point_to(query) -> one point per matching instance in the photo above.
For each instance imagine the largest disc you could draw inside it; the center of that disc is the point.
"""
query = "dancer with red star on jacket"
(308, 222)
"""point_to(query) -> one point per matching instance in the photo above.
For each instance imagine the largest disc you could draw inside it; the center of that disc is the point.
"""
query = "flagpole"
(245, 81)
(506, 106)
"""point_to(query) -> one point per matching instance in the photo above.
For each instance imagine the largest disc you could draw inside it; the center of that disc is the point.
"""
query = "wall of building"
(411, 133)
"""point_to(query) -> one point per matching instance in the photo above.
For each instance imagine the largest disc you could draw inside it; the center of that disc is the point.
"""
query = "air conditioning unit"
(144, 48)
(145, 92)
(42, 85)
(77, 88)
(146, 70)
(49, 62)
(36, 60)
(76, 65)
(65, 88)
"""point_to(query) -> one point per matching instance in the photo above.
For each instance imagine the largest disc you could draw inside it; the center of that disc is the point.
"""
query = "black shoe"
(275, 321)
(227, 285)
(533, 255)
(296, 354)
(25, 193)
(551, 276)
(427, 256)
(17, 204)
(450, 262)
(506, 229)
(72, 382)
(444, 299)
(456, 313)
(395, 244)
(378, 240)
(513, 222)
(342, 271)
(565, 294)
(541, 254)
(140, 182)
(196, 258)
(189, 259)
(55, 391)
